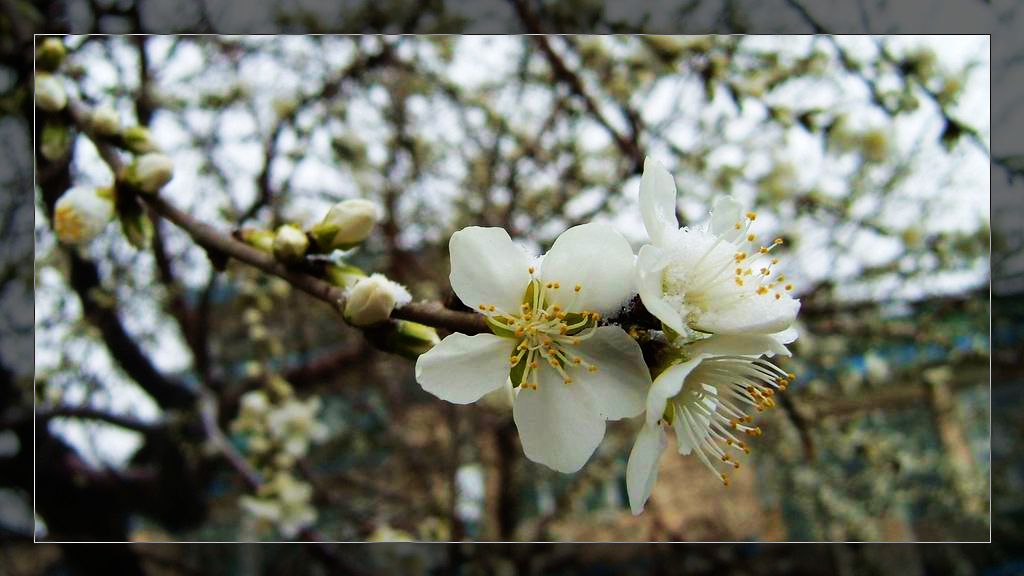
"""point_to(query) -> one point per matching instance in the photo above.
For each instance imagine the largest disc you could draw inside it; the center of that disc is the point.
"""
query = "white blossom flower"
(284, 502)
(706, 397)
(371, 300)
(294, 425)
(82, 213)
(708, 279)
(50, 95)
(346, 224)
(569, 374)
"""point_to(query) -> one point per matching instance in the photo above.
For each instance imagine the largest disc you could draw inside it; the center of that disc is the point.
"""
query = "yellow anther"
(534, 364)
(578, 288)
(739, 271)
(751, 216)
(492, 308)
(557, 285)
(530, 269)
(577, 361)
(739, 281)
(482, 307)
(725, 479)
(568, 380)
(592, 369)
(777, 241)
(740, 256)
(751, 237)
(762, 290)
(763, 249)
(775, 260)
(778, 296)
(791, 376)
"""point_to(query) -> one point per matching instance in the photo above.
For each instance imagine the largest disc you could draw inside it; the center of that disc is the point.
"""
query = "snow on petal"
(650, 266)
(755, 314)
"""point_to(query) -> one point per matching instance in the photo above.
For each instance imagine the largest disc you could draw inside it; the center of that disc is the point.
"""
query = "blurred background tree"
(867, 154)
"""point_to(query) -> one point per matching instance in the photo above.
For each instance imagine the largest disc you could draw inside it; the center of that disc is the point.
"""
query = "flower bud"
(138, 140)
(105, 121)
(412, 339)
(290, 243)
(50, 95)
(261, 239)
(55, 142)
(82, 213)
(50, 54)
(346, 224)
(371, 300)
(343, 275)
(150, 172)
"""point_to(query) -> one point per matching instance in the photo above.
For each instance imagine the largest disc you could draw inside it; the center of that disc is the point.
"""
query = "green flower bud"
(261, 239)
(290, 244)
(50, 95)
(150, 172)
(55, 141)
(50, 54)
(137, 139)
(346, 224)
(412, 339)
(343, 275)
(105, 121)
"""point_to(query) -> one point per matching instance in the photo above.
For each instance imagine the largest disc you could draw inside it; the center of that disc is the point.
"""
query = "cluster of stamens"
(739, 383)
(744, 262)
(68, 222)
(545, 332)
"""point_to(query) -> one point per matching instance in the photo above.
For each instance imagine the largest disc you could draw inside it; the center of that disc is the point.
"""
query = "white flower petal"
(650, 266)
(622, 379)
(558, 423)
(658, 201)
(488, 269)
(724, 216)
(642, 466)
(739, 345)
(787, 336)
(667, 385)
(461, 369)
(754, 315)
(597, 259)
